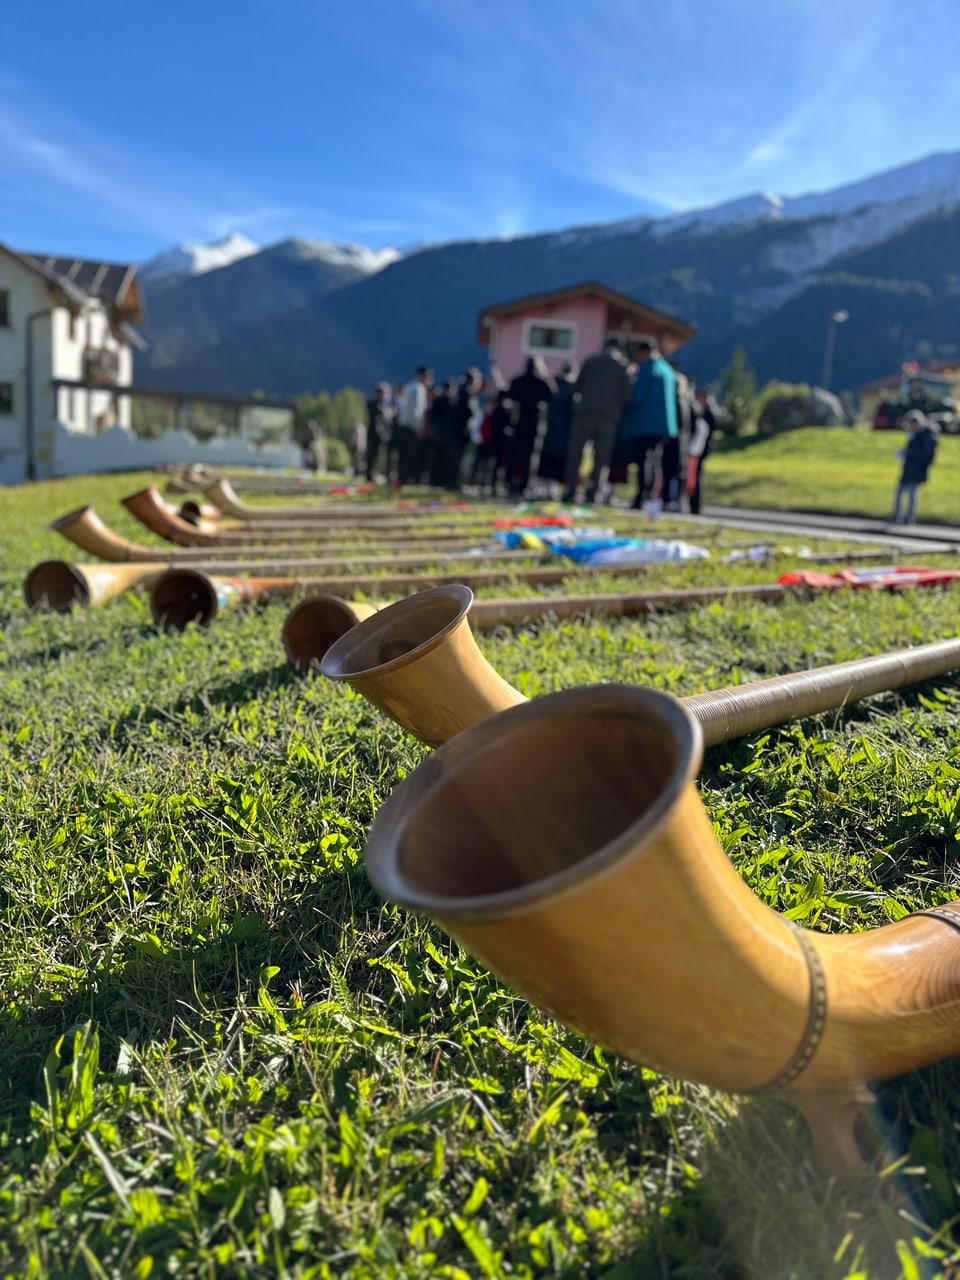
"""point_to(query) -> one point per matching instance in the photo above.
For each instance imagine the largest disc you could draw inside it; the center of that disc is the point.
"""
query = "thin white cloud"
(49, 154)
(57, 155)
(831, 107)
(634, 102)
(764, 153)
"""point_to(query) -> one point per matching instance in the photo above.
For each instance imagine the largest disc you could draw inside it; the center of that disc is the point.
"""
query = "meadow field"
(222, 1055)
(840, 469)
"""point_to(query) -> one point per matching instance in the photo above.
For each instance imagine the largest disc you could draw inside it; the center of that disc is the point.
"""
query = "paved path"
(915, 538)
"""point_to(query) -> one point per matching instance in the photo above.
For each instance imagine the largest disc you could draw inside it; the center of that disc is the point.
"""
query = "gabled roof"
(70, 291)
(649, 316)
(112, 283)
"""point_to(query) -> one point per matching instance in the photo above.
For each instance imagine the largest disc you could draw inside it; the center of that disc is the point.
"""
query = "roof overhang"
(650, 317)
(61, 290)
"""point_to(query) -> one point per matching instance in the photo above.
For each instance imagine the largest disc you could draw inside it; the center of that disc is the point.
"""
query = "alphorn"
(418, 662)
(402, 531)
(184, 595)
(59, 586)
(86, 530)
(279, 486)
(221, 493)
(148, 506)
(487, 615)
(564, 844)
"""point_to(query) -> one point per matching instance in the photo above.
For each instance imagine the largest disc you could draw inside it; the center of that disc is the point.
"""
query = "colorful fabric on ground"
(551, 540)
(631, 551)
(534, 522)
(885, 576)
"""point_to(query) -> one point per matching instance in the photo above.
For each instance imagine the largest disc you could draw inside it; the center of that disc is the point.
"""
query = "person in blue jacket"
(650, 416)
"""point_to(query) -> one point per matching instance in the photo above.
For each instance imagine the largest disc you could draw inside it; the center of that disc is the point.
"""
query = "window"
(6, 398)
(4, 309)
(547, 337)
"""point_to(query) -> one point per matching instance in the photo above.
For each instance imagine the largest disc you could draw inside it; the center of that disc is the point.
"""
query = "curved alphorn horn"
(418, 662)
(155, 513)
(564, 844)
(486, 615)
(222, 493)
(328, 618)
(85, 529)
(415, 530)
(149, 507)
(57, 585)
(199, 586)
(181, 596)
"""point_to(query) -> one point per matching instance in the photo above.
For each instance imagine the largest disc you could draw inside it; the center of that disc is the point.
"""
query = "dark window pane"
(550, 337)
(6, 397)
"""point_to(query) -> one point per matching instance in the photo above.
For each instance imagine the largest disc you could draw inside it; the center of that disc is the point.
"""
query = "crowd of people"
(529, 437)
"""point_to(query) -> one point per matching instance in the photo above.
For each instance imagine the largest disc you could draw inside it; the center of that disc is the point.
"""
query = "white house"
(62, 321)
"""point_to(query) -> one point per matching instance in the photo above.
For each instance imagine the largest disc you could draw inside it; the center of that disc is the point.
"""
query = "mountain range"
(763, 271)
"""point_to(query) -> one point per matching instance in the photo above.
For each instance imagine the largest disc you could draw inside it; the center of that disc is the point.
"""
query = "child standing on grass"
(917, 459)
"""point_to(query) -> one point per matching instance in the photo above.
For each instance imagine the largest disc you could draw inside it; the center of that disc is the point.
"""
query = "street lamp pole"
(836, 317)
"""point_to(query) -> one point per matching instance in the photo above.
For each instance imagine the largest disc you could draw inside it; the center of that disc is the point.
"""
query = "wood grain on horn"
(564, 844)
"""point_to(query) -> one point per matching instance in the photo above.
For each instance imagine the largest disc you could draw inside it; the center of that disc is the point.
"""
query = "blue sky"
(125, 128)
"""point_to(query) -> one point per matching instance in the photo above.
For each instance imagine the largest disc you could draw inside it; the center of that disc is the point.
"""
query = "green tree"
(349, 405)
(315, 408)
(737, 392)
(149, 419)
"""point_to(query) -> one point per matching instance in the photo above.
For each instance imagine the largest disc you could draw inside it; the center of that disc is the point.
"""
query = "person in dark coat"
(491, 457)
(600, 393)
(306, 434)
(917, 459)
(443, 452)
(674, 447)
(464, 407)
(704, 425)
(556, 441)
(529, 393)
(379, 430)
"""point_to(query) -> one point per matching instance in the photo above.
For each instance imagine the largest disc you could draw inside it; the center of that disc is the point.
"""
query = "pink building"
(571, 324)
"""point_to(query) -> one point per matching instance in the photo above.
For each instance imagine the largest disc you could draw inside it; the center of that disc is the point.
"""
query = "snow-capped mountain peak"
(912, 191)
(744, 210)
(339, 254)
(933, 182)
(196, 259)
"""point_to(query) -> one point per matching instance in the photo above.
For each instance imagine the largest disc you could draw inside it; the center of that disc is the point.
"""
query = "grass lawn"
(830, 469)
(222, 1056)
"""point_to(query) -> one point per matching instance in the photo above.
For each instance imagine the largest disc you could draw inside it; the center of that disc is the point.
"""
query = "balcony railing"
(100, 365)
